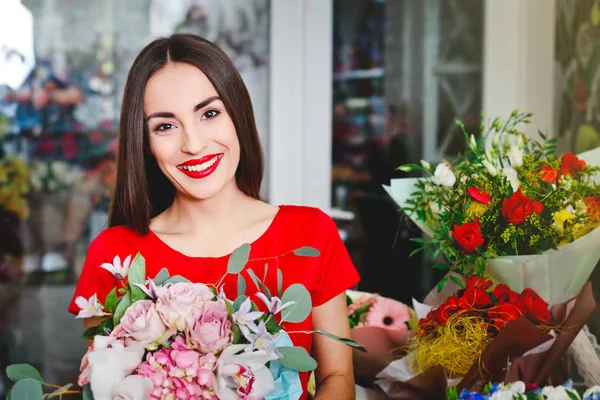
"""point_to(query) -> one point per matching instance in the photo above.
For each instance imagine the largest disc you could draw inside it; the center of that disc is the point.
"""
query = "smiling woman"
(189, 171)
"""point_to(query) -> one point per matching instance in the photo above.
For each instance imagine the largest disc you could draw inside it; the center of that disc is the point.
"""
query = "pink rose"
(142, 324)
(175, 303)
(209, 327)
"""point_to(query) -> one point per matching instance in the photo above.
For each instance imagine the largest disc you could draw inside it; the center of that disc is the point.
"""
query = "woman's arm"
(87, 324)
(334, 375)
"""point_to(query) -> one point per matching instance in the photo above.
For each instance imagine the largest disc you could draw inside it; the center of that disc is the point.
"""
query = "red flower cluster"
(518, 207)
(570, 164)
(496, 307)
(468, 236)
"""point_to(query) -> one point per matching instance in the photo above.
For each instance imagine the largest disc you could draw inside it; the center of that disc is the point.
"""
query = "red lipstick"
(201, 167)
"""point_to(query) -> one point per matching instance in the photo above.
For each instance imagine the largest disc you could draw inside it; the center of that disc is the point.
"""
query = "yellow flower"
(562, 216)
(476, 209)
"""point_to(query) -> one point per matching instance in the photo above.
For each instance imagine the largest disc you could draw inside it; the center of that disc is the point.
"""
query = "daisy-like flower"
(151, 290)
(261, 339)
(119, 270)
(274, 306)
(89, 307)
(389, 314)
(245, 317)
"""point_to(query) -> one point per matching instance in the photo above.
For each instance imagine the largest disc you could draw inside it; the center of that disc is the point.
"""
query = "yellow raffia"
(454, 346)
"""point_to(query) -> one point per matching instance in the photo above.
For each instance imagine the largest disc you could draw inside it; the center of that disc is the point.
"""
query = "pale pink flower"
(361, 302)
(209, 327)
(142, 324)
(120, 271)
(388, 313)
(89, 307)
(176, 302)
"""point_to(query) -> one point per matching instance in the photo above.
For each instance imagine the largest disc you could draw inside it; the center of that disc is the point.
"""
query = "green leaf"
(457, 281)
(302, 307)
(17, 372)
(265, 290)
(572, 395)
(122, 290)
(238, 259)
(87, 393)
(417, 240)
(238, 302)
(89, 333)
(241, 286)
(272, 326)
(237, 333)
(254, 278)
(111, 300)
(442, 283)
(416, 251)
(60, 390)
(107, 324)
(444, 267)
(230, 307)
(176, 279)
(137, 274)
(161, 277)
(307, 251)
(121, 308)
(347, 342)
(297, 358)
(27, 389)
(279, 282)
(264, 279)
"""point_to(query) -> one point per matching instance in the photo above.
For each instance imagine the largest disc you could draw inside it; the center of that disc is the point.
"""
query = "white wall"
(519, 60)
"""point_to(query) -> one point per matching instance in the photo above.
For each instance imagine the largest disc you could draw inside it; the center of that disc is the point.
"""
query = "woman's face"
(192, 137)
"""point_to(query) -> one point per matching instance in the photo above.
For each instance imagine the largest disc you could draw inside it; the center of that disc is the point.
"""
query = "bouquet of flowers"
(14, 186)
(520, 391)
(168, 338)
(509, 208)
(366, 309)
(53, 176)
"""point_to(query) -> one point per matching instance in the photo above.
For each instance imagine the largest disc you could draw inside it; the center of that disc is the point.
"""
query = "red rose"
(502, 314)
(468, 236)
(477, 282)
(518, 207)
(447, 309)
(505, 294)
(570, 164)
(426, 326)
(535, 308)
(548, 174)
(480, 195)
(474, 298)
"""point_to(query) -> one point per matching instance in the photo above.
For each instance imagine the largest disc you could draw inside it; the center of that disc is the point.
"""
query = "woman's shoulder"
(117, 238)
(304, 215)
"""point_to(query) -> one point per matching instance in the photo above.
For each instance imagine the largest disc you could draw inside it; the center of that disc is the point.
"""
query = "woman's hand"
(334, 375)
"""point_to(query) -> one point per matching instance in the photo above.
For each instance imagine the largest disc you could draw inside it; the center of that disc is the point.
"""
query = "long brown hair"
(141, 190)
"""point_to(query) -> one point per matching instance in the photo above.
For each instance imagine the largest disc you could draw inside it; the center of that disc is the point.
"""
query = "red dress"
(324, 277)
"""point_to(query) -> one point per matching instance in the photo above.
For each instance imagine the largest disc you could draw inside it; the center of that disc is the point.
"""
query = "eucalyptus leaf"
(279, 282)
(254, 278)
(238, 259)
(302, 306)
(161, 277)
(137, 274)
(176, 279)
(307, 251)
(241, 285)
(265, 273)
(297, 359)
(238, 302)
(87, 393)
(111, 300)
(230, 307)
(27, 389)
(121, 308)
(265, 290)
(347, 342)
(17, 372)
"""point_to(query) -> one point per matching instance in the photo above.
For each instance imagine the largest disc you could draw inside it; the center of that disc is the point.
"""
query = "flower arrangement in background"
(519, 391)
(169, 338)
(509, 195)
(14, 186)
(365, 309)
(53, 176)
(454, 334)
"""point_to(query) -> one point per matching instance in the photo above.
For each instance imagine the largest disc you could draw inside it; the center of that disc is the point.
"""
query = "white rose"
(512, 176)
(515, 156)
(558, 393)
(443, 176)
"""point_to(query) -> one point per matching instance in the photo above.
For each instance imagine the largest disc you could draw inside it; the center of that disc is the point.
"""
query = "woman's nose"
(193, 141)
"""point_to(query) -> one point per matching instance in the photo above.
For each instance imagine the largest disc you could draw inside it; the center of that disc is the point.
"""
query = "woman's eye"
(210, 114)
(164, 127)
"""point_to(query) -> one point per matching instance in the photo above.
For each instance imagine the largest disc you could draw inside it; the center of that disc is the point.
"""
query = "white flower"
(443, 176)
(472, 143)
(244, 317)
(110, 364)
(274, 306)
(261, 339)
(490, 168)
(133, 387)
(515, 156)
(513, 177)
(243, 375)
(151, 290)
(520, 142)
(592, 393)
(558, 393)
(426, 165)
(89, 307)
(119, 270)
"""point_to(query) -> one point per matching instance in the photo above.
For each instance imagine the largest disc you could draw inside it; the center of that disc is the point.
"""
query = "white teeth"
(201, 167)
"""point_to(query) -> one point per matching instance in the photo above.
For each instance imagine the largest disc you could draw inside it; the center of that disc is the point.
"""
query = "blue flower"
(466, 395)
(287, 381)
